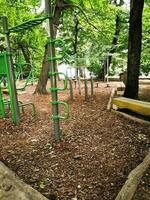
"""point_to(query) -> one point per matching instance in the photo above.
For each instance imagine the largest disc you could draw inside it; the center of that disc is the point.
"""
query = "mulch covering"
(92, 161)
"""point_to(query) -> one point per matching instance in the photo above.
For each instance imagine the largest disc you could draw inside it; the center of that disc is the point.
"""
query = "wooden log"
(11, 188)
(137, 106)
(109, 105)
(128, 190)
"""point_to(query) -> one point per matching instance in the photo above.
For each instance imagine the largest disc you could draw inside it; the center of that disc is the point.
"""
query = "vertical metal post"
(104, 74)
(92, 88)
(71, 89)
(79, 80)
(2, 107)
(11, 76)
(107, 70)
(79, 83)
(52, 68)
(85, 86)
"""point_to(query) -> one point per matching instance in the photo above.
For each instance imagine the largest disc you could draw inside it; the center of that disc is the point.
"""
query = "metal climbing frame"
(7, 70)
(52, 68)
(28, 24)
(2, 108)
(52, 58)
(30, 77)
(10, 103)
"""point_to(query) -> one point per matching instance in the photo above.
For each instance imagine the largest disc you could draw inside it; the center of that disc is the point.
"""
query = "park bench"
(136, 106)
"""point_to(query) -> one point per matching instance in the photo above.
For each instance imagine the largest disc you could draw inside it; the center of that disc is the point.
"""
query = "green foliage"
(145, 57)
(96, 28)
(33, 39)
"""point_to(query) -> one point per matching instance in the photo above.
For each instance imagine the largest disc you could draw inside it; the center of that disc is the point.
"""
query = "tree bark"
(26, 54)
(42, 82)
(75, 44)
(41, 86)
(134, 49)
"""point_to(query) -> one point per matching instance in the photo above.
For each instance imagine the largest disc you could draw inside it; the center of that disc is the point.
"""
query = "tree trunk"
(114, 47)
(75, 44)
(42, 82)
(41, 86)
(134, 49)
(108, 59)
(26, 54)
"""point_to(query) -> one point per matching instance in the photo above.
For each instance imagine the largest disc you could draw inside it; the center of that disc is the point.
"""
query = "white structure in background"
(71, 70)
(42, 7)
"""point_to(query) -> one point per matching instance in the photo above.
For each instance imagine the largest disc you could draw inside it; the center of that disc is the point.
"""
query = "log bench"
(140, 107)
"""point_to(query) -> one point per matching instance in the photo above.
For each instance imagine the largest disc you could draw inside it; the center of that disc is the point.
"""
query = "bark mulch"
(92, 161)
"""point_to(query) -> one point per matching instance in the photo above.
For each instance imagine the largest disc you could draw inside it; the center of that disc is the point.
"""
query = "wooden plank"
(137, 106)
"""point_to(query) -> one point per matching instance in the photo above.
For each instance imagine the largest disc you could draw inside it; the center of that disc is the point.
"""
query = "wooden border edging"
(133, 118)
(11, 187)
(129, 188)
(109, 105)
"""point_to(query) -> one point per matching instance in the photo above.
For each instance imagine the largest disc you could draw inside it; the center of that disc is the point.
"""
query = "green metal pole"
(2, 107)
(11, 76)
(52, 68)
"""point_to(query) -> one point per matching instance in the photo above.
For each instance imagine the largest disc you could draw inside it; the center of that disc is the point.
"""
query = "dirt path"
(97, 151)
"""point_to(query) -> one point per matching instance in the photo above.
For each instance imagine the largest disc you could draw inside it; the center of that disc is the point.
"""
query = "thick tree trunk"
(134, 49)
(41, 86)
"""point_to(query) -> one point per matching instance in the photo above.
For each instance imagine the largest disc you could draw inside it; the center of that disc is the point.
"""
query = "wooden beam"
(129, 188)
(137, 106)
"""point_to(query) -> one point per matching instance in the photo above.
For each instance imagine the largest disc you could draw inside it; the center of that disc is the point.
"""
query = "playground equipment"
(6, 69)
(53, 73)
(84, 82)
(71, 89)
(7, 64)
(20, 73)
(70, 84)
(85, 86)
(12, 103)
(137, 106)
(92, 86)
(106, 71)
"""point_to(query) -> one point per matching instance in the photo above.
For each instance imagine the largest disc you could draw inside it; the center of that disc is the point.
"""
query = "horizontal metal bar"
(27, 24)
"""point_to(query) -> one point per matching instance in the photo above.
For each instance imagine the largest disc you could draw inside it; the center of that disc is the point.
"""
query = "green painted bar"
(2, 107)
(28, 24)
